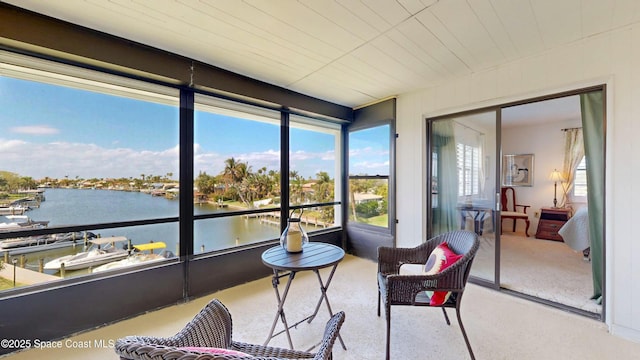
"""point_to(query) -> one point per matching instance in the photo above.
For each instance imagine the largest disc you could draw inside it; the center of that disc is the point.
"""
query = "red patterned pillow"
(215, 351)
(441, 258)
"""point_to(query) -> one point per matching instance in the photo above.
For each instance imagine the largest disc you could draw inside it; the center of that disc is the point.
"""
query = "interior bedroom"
(544, 252)
(553, 262)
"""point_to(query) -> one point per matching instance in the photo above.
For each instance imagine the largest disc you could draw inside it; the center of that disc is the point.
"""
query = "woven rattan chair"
(211, 328)
(396, 289)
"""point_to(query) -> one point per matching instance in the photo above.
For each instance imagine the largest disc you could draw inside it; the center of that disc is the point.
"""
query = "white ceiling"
(351, 52)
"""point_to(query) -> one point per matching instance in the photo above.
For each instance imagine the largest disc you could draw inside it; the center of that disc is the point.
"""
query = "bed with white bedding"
(575, 232)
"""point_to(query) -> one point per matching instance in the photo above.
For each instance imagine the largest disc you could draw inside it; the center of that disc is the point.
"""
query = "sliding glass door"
(463, 171)
(549, 153)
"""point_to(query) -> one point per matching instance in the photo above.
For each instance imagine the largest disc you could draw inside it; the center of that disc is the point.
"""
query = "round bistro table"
(314, 256)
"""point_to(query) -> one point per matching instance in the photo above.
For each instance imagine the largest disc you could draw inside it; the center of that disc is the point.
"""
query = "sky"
(56, 131)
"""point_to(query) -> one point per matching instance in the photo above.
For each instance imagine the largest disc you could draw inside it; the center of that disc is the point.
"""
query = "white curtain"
(573, 154)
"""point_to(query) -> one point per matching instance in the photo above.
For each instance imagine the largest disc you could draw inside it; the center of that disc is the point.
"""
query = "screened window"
(313, 164)
(236, 168)
(81, 148)
(369, 176)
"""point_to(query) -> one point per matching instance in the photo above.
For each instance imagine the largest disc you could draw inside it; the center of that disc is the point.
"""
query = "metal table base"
(288, 265)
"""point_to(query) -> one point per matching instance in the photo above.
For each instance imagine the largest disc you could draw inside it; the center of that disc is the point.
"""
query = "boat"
(29, 244)
(21, 222)
(101, 251)
(13, 210)
(143, 254)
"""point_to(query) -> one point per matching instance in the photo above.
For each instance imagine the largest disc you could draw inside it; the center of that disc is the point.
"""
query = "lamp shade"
(556, 176)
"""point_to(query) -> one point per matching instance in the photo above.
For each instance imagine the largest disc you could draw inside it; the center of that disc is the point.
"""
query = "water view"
(73, 206)
(64, 207)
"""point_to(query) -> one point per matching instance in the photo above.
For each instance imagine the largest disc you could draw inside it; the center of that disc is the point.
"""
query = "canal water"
(64, 207)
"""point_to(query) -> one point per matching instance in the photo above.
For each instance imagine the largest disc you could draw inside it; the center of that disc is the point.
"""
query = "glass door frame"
(498, 109)
(495, 284)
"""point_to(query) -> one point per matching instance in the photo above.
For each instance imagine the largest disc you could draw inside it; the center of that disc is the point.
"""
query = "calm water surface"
(75, 207)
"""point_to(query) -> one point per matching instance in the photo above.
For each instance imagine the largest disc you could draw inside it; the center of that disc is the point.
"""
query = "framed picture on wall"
(517, 170)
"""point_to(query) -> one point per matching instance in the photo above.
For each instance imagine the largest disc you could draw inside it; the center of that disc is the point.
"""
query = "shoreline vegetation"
(238, 187)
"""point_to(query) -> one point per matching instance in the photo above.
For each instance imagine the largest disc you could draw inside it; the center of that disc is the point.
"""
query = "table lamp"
(555, 177)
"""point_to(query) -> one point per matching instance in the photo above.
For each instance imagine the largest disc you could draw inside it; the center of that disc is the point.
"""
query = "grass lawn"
(6, 284)
(381, 220)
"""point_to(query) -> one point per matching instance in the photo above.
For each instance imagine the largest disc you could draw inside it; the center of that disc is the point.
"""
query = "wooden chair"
(211, 328)
(396, 289)
(510, 206)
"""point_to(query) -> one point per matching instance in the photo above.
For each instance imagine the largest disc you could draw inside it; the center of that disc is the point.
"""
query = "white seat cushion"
(412, 269)
(515, 214)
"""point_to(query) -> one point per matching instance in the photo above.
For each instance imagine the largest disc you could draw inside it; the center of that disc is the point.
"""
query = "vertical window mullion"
(284, 169)
(186, 177)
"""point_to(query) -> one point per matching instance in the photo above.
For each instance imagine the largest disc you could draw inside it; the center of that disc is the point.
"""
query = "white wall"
(612, 58)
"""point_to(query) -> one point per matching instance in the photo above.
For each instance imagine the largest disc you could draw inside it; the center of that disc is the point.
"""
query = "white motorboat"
(144, 255)
(21, 222)
(102, 251)
(13, 210)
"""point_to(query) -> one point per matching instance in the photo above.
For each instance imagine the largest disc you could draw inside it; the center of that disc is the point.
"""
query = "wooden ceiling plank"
(340, 16)
(520, 23)
(415, 6)
(625, 12)
(559, 22)
(242, 15)
(490, 21)
(480, 51)
(391, 11)
(367, 14)
(425, 61)
(398, 57)
(318, 29)
(430, 45)
(597, 16)
(444, 36)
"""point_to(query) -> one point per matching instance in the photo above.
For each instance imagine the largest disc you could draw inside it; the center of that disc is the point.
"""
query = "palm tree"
(236, 174)
(323, 187)
(295, 186)
(324, 192)
(234, 170)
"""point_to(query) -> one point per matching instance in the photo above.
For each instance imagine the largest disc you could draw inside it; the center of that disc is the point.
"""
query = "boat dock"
(273, 218)
(25, 276)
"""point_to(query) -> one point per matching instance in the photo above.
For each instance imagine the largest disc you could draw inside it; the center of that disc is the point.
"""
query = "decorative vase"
(294, 238)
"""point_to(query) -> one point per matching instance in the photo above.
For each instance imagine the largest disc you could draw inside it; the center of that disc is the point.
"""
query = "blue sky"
(57, 131)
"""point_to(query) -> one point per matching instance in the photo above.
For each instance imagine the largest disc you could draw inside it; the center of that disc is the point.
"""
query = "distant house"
(366, 197)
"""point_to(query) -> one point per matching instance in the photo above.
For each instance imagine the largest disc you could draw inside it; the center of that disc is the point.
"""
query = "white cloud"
(86, 160)
(60, 159)
(34, 130)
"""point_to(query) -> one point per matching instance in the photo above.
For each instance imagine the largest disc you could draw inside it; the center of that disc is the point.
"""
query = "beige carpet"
(546, 269)
(500, 326)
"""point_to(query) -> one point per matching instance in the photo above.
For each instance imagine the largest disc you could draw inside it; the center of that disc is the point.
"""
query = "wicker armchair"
(212, 328)
(396, 289)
